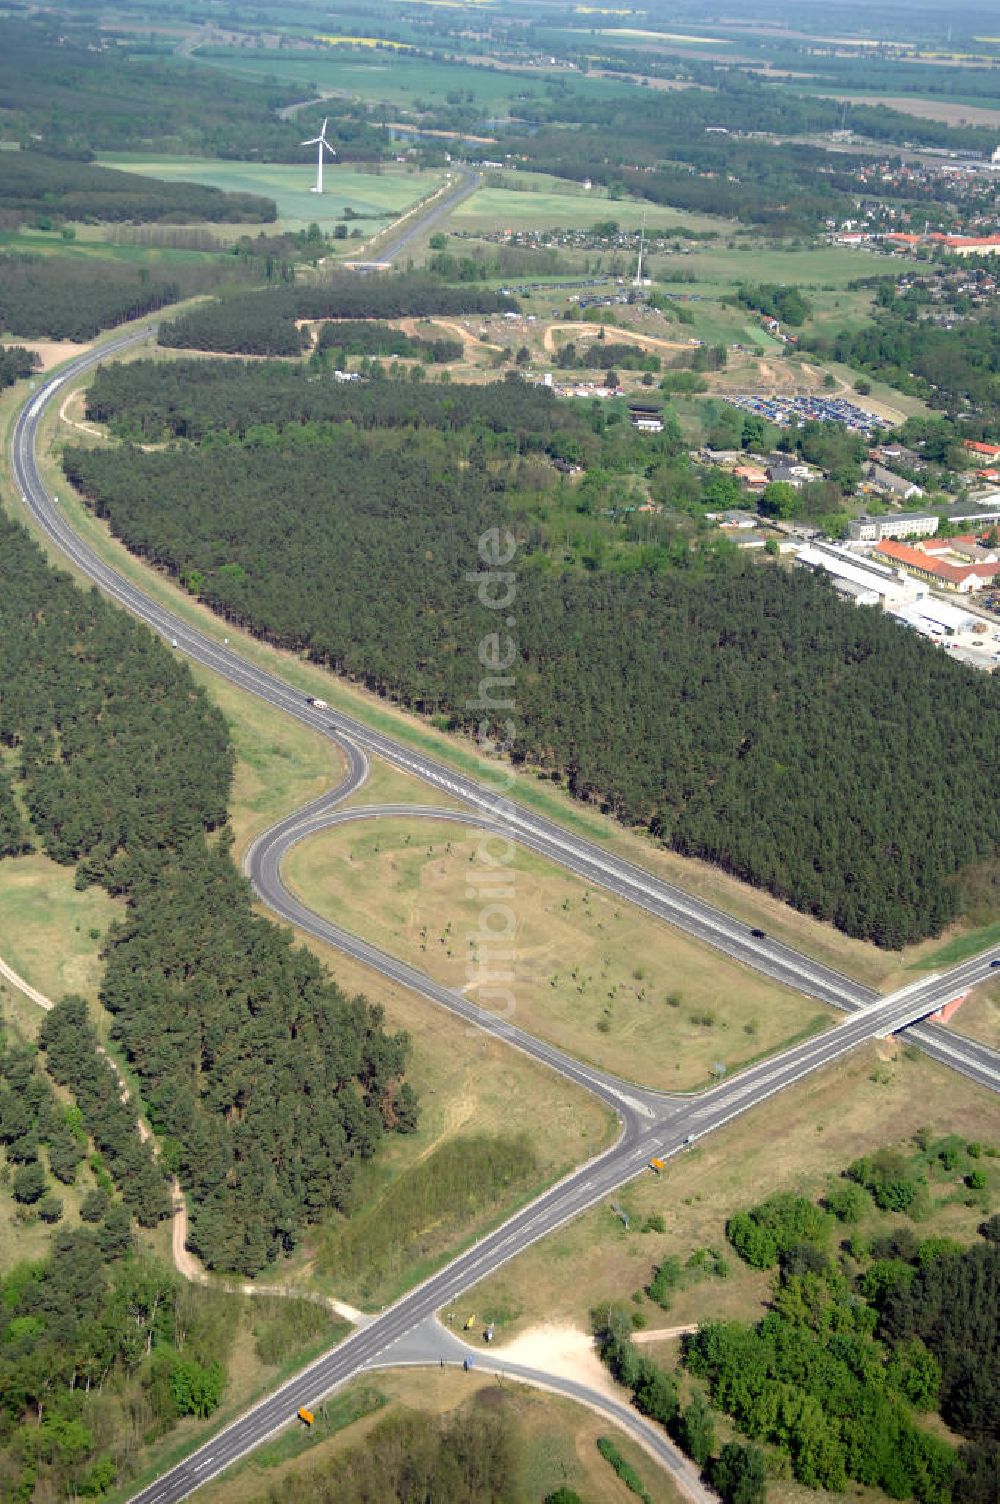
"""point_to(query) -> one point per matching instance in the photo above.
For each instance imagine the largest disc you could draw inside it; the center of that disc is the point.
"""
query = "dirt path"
(185, 1262)
(464, 335)
(664, 1333)
(647, 341)
(83, 427)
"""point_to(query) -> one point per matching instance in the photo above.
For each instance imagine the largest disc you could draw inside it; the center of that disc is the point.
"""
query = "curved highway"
(651, 1123)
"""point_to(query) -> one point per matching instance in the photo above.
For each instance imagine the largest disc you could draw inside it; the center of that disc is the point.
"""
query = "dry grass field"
(587, 972)
(799, 1141)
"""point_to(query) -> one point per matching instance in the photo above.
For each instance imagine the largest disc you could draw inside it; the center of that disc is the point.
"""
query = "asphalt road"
(650, 1124)
(438, 210)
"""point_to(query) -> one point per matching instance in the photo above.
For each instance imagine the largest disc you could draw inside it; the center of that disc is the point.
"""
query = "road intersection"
(652, 1123)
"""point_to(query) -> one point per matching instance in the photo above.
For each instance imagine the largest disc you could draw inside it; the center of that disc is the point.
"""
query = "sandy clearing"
(561, 1350)
(465, 335)
(50, 352)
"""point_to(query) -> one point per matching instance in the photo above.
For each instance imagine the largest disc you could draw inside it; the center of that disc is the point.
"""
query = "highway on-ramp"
(651, 1123)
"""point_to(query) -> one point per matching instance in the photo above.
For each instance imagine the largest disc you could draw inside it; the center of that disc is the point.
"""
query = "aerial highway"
(651, 1123)
(437, 209)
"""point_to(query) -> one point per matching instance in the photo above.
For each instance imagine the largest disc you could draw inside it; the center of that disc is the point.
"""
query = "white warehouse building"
(866, 584)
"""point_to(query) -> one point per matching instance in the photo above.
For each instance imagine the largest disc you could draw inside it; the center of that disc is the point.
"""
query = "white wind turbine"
(319, 142)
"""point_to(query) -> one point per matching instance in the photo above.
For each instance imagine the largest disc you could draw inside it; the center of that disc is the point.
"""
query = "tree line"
(56, 297)
(264, 323)
(267, 1084)
(718, 703)
(34, 185)
(606, 355)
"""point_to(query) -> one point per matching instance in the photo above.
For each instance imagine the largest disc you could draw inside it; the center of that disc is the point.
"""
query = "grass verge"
(799, 1142)
(595, 976)
(556, 1440)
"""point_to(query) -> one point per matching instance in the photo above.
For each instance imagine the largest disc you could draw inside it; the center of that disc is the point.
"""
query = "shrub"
(625, 1470)
(888, 1177)
(696, 1432)
(28, 1184)
(740, 1475)
(847, 1203)
(761, 1235)
(666, 1278)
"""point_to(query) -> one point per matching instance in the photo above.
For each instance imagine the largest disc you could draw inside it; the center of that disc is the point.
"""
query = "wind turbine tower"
(642, 246)
(319, 142)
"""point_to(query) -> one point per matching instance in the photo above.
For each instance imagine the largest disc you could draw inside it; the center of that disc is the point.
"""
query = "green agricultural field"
(376, 199)
(399, 79)
(721, 268)
(534, 200)
(93, 243)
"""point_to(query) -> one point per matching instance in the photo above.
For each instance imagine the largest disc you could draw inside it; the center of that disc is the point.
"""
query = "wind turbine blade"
(313, 140)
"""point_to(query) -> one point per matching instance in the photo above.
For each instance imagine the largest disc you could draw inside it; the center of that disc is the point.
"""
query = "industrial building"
(866, 584)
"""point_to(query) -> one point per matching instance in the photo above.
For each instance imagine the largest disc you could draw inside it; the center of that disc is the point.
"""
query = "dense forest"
(148, 401)
(267, 1082)
(264, 323)
(859, 1345)
(34, 187)
(740, 713)
(41, 297)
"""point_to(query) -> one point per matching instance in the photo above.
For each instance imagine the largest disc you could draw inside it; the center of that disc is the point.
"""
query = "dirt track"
(185, 1262)
(651, 342)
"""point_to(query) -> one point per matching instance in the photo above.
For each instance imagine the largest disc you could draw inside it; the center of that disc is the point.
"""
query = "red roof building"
(925, 561)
